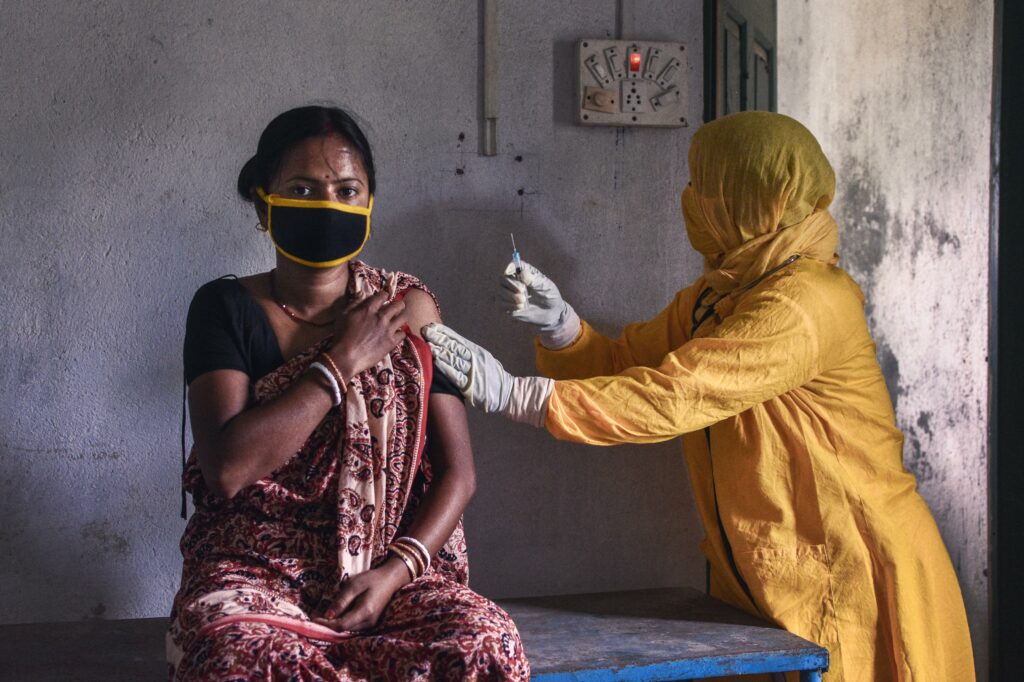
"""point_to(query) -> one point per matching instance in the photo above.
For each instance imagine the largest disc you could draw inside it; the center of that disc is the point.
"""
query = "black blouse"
(227, 329)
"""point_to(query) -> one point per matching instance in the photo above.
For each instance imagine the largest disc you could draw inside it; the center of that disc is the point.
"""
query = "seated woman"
(331, 466)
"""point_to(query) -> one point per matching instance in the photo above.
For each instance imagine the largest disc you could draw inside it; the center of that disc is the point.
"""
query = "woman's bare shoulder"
(420, 309)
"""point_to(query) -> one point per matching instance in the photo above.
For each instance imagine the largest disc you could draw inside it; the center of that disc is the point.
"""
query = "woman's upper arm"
(420, 310)
(214, 399)
(448, 430)
(448, 435)
(218, 385)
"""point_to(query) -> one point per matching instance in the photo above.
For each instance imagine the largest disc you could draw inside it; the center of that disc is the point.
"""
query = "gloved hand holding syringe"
(530, 296)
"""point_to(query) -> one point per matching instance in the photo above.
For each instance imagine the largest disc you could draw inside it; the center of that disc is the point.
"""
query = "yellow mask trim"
(277, 200)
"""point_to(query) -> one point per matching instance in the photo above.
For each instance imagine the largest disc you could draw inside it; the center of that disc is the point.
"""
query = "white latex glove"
(535, 299)
(484, 382)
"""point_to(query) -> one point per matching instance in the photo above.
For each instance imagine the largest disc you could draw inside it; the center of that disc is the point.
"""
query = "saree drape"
(258, 567)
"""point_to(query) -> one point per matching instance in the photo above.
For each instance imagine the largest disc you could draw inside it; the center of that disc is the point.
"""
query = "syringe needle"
(515, 256)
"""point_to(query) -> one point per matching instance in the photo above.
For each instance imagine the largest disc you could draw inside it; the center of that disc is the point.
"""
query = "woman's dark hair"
(290, 128)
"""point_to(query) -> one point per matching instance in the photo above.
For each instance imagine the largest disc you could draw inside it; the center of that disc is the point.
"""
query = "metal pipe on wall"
(489, 139)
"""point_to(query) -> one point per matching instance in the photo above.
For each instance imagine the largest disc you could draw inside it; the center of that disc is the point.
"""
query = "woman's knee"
(240, 650)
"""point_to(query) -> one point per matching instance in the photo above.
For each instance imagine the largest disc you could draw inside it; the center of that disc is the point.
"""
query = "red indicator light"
(634, 61)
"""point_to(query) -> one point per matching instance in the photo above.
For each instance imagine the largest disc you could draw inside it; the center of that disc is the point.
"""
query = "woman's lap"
(433, 628)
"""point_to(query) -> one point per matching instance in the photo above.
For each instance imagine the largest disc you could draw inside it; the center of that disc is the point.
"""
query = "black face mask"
(317, 234)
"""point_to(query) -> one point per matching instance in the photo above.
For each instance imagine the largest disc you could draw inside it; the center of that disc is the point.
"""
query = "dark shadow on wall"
(563, 82)
(1006, 352)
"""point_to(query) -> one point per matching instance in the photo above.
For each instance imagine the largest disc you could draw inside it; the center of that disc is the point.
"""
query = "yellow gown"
(811, 519)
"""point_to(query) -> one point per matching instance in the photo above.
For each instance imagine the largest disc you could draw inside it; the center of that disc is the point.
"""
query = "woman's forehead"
(330, 155)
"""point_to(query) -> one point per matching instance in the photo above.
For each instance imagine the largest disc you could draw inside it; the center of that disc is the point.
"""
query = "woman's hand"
(366, 331)
(364, 597)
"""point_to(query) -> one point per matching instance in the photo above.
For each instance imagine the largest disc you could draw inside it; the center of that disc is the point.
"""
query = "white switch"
(668, 73)
(598, 71)
(652, 64)
(614, 59)
(665, 98)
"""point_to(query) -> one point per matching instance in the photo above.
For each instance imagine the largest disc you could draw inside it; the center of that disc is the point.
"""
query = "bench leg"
(810, 676)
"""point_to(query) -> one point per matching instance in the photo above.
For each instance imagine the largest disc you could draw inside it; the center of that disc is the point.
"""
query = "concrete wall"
(899, 94)
(122, 128)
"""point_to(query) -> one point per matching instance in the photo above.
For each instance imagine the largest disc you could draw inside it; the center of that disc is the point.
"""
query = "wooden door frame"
(713, 10)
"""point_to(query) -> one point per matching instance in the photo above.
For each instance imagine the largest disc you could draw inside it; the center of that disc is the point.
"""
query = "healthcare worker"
(766, 367)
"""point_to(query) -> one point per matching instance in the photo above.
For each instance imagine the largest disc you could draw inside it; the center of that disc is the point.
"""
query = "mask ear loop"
(260, 227)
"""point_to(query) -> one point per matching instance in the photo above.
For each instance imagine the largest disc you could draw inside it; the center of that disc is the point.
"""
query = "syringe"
(515, 257)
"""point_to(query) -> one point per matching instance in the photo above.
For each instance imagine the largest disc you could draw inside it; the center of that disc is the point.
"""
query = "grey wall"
(122, 127)
(899, 93)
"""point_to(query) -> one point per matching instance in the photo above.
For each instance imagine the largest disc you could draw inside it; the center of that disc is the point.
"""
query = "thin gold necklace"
(287, 311)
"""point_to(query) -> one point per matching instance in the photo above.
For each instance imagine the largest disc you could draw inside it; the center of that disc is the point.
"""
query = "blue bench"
(663, 634)
(668, 634)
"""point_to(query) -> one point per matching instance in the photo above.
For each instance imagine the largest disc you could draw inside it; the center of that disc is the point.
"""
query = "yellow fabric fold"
(759, 189)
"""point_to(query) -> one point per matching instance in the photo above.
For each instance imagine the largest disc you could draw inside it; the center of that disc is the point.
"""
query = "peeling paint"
(915, 458)
(928, 232)
(864, 220)
(924, 422)
(899, 95)
(890, 365)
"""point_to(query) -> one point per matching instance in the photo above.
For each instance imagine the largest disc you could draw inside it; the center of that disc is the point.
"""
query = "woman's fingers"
(391, 311)
(326, 622)
(345, 597)
(397, 337)
(349, 611)
(358, 616)
(375, 302)
(332, 623)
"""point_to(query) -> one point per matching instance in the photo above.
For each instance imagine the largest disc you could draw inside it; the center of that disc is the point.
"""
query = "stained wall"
(899, 94)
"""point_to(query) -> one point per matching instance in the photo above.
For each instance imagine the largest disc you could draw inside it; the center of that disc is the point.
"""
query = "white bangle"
(424, 553)
(335, 390)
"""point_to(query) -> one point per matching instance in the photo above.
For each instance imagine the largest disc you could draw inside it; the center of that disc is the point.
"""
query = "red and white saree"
(259, 566)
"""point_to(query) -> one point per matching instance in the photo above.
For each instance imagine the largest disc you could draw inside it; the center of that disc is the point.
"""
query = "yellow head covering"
(759, 189)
